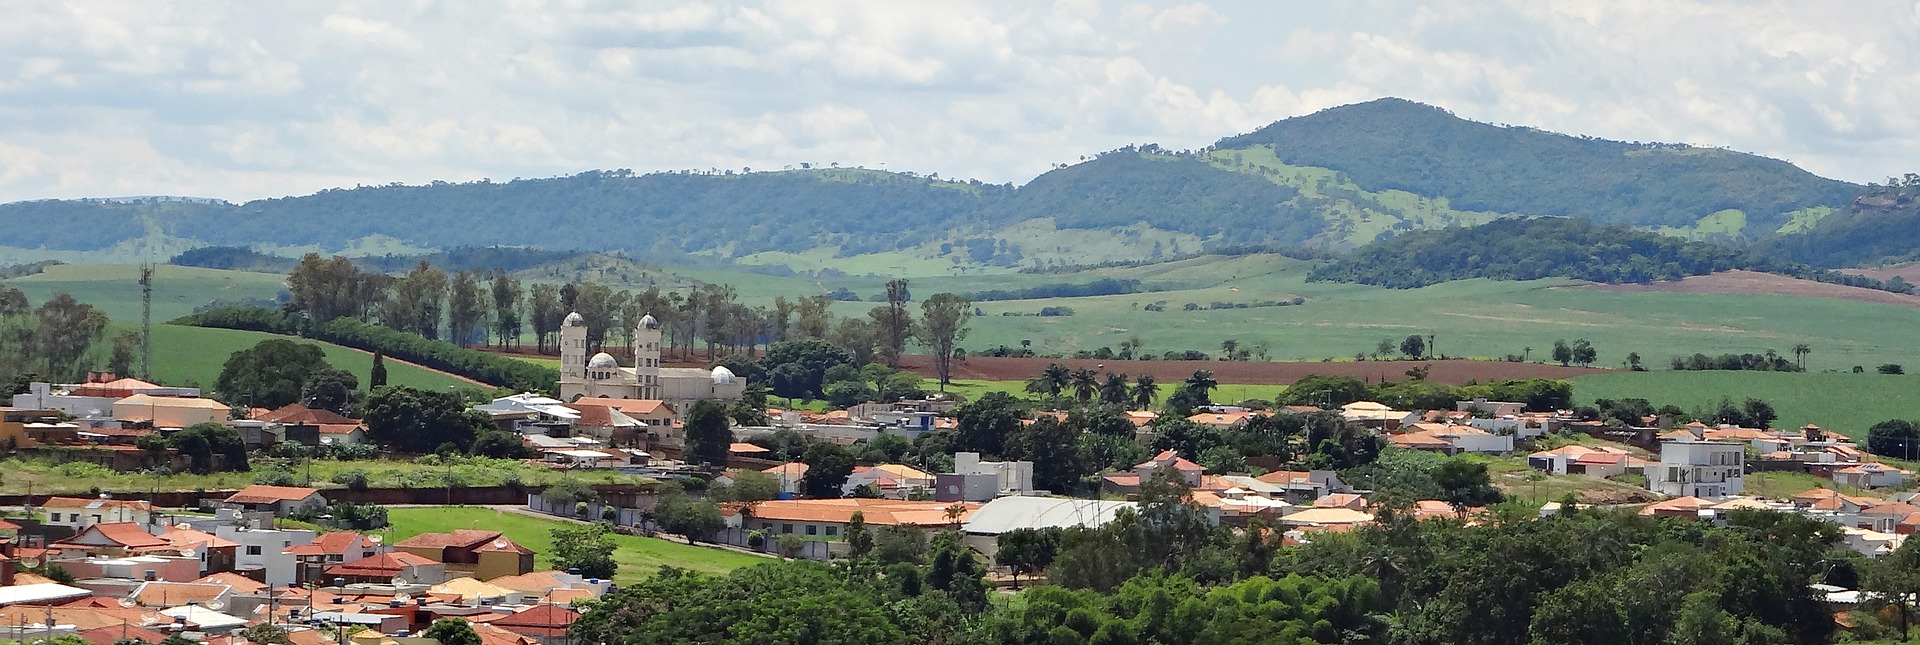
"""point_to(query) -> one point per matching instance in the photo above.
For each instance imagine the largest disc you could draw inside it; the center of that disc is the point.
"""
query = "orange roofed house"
(483, 554)
(81, 512)
(282, 501)
(828, 517)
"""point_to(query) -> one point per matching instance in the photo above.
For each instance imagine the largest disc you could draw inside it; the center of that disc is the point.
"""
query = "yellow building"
(170, 411)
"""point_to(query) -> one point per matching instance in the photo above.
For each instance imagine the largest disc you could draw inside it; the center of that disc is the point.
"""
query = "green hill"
(1394, 144)
(1336, 179)
(1880, 227)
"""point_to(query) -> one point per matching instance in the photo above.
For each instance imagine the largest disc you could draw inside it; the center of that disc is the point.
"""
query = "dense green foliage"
(1547, 247)
(481, 366)
(271, 374)
(421, 421)
(1881, 226)
(587, 547)
(242, 258)
(1398, 144)
(1175, 192)
(1334, 391)
(1100, 287)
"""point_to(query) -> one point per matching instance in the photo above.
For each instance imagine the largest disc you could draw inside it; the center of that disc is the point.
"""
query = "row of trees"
(55, 340)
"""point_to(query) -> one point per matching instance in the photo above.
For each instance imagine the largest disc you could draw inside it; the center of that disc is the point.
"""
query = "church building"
(600, 375)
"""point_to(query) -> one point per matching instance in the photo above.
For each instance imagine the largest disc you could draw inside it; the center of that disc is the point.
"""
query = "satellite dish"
(401, 580)
(216, 605)
(183, 526)
(499, 544)
(402, 596)
(375, 539)
(127, 603)
(189, 553)
(31, 562)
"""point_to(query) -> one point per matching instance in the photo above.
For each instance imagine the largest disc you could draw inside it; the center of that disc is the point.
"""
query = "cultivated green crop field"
(185, 355)
(638, 557)
(1841, 402)
(115, 288)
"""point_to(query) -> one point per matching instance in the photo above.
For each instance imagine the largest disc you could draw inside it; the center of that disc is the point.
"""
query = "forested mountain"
(1548, 247)
(1330, 180)
(1880, 227)
(1398, 144)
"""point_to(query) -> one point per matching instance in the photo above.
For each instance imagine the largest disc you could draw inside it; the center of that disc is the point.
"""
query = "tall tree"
(466, 309)
(943, 323)
(708, 434)
(859, 337)
(1086, 384)
(125, 345)
(424, 292)
(65, 329)
(587, 547)
(1201, 385)
(377, 376)
(270, 374)
(1113, 391)
(895, 323)
(420, 421)
(545, 314)
(828, 466)
(600, 307)
(330, 389)
(1145, 391)
(506, 309)
(811, 316)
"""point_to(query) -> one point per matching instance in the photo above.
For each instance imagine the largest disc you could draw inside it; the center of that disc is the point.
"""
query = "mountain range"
(1333, 180)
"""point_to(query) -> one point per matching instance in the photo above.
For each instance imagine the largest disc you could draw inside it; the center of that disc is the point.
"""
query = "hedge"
(481, 366)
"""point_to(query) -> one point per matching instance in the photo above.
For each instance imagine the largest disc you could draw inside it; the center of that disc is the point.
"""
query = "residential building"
(282, 501)
(328, 426)
(483, 554)
(20, 428)
(170, 411)
(398, 568)
(162, 594)
(334, 547)
(974, 480)
(827, 518)
(600, 375)
(1452, 439)
(265, 552)
(94, 399)
(82, 512)
(1491, 408)
(1227, 420)
(1691, 468)
(893, 481)
(789, 475)
(1873, 475)
(111, 538)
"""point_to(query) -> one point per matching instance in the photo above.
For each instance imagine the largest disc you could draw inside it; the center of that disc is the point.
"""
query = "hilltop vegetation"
(1535, 248)
(1881, 227)
(1397, 144)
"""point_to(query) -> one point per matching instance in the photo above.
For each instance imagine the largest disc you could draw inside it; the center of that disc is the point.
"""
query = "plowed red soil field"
(1749, 282)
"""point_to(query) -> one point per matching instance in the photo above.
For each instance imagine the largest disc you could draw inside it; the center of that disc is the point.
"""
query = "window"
(833, 530)
(786, 528)
(813, 530)
(253, 549)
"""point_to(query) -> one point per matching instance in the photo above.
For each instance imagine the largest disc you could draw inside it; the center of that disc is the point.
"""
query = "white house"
(1873, 475)
(1708, 469)
(976, 480)
(266, 550)
(81, 512)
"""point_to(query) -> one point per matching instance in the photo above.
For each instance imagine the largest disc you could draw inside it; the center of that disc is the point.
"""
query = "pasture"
(1841, 402)
(638, 557)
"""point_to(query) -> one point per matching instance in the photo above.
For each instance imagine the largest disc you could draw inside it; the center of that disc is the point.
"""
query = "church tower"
(573, 348)
(646, 356)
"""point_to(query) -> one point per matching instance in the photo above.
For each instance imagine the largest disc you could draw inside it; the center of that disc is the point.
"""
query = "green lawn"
(1782, 485)
(638, 557)
(1842, 402)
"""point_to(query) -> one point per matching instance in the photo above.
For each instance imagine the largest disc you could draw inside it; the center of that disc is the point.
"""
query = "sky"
(252, 100)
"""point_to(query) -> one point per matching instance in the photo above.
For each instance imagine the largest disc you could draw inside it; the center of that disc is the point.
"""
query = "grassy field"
(115, 288)
(187, 355)
(638, 557)
(1842, 402)
(19, 476)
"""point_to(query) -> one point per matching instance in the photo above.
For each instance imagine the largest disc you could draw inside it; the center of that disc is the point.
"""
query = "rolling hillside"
(1335, 179)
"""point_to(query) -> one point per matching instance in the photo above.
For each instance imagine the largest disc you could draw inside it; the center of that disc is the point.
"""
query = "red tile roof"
(385, 565)
(329, 543)
(628, 406)
(539, 621)
(264, 494)
(297, 413)
(94, 502)
(110, 634)
(462, 538)
(123, 534)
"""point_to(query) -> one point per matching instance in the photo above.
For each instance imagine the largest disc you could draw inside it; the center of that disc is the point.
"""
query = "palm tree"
(1144, 392)
(1086, 383)
(1056, 378)
(1114, 391)
(1800, 353)
(1202, 384)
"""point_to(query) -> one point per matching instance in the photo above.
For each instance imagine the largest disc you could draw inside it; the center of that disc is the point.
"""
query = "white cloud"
(227, 100)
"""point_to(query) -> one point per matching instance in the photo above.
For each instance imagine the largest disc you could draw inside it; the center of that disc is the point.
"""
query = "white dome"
(574, 320)
(649, 322)
(602, 361)
(722, 375)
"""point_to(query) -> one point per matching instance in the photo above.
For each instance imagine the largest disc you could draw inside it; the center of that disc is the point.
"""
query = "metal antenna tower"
(146, 320)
